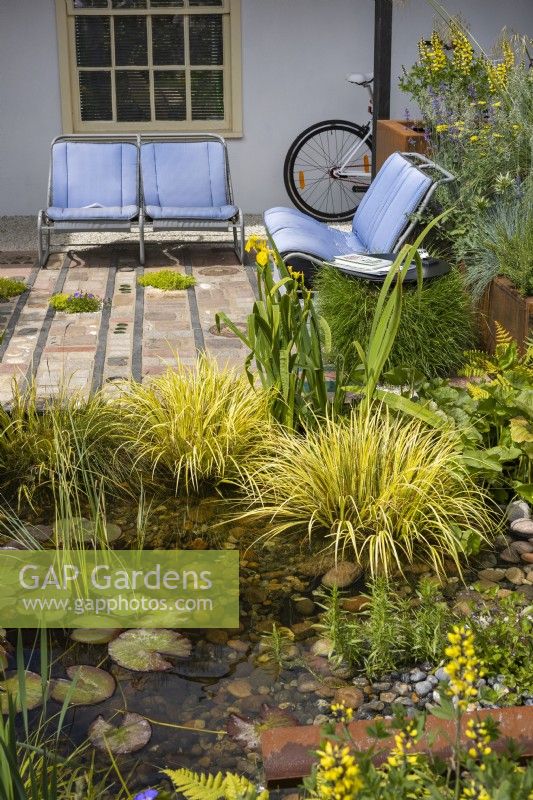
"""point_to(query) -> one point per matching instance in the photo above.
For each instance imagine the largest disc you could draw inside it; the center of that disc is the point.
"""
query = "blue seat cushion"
(87, 173)
(281, 217)
(94, 213)
(184, 174)
(225, 212)
(314, 238)
(394, 194)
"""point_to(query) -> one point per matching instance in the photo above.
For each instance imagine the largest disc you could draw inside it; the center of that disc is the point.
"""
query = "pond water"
(206, 712)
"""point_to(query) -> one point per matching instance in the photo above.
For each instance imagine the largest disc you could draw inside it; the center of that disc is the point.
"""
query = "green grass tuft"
(167, 279)
(10, 288)
(434, 332)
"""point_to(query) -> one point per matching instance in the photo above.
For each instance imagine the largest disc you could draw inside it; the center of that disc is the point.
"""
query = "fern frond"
(195, 786)
(239, 788)
(503, 337)
(477, 364)
(475, 391)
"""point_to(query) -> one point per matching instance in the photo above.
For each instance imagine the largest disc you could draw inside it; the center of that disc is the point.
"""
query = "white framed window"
(155, 65)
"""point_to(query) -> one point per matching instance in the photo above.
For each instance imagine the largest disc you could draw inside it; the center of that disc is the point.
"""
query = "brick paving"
(139, 332)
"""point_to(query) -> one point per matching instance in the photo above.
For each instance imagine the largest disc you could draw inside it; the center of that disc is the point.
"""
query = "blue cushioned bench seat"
(93, 185)
(186, 180)
(381, 223)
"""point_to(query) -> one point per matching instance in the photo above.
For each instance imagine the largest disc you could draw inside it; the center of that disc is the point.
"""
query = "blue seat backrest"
(84, 173)
(184, 174)
(394, 194)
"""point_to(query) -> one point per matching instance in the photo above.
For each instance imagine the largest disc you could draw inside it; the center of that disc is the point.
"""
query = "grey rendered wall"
(296, 54)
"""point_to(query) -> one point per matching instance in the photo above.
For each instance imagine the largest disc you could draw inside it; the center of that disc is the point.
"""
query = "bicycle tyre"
(295, 191)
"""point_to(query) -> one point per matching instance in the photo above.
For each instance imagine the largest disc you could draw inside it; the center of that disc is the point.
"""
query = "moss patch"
(77, 303)
(10, 288)
(167, 280)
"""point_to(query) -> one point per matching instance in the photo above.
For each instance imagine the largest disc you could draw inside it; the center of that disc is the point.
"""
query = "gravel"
(20, 233)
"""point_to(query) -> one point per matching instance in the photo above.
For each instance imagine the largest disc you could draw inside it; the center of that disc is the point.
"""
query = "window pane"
(169, 95)
(167, 40)
(95, 95)
(131, 47)
(205, 39)
(90, 4)
(206, 2)
(207, 94)
(133, 95)
(128, 3)
(166, 3)
(93, 42)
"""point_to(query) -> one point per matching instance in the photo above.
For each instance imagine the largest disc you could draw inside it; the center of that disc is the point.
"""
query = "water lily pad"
(95, 635)
(92, 685)
(247, 732)
(11, 686)
(143, 650)
(132, 734)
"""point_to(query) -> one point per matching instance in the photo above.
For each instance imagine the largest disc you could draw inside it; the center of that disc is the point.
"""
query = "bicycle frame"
(349, 173)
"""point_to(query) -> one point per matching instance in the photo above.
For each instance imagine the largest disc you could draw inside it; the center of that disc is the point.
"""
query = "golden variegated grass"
(383, 490)
(193, 428)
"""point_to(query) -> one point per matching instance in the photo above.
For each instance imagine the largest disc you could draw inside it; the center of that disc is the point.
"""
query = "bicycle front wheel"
(328, 169)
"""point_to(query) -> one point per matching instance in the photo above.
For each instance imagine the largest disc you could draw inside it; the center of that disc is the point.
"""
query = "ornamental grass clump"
(436, 326)
(384, 490)
(168, 280)
(193, 428)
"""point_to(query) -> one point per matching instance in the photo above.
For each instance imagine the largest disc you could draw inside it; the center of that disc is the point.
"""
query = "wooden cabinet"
(394, 135)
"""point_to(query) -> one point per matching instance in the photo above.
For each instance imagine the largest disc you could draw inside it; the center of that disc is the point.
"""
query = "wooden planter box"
(393, 136)
(502, 303)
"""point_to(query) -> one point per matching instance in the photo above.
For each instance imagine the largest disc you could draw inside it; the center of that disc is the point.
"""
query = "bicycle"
(328, 166)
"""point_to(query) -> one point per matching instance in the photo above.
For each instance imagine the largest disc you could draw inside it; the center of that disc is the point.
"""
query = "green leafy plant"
(276, 648)
(10, 288)
(436, 326)
(285, 335)
(493, 414)
(193, 429)
(390, 631)
(387, 490)
(168, 280)
(77, 303)
(503, 628)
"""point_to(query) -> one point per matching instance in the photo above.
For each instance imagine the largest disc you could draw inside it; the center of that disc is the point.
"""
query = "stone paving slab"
(140, 332)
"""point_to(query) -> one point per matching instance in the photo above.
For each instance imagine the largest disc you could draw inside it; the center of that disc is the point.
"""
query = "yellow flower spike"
(441, 128)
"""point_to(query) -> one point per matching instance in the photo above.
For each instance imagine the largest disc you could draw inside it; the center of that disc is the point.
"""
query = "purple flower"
(148, 794)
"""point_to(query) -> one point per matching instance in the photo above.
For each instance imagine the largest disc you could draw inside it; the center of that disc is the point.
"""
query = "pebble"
(384, 686)
(523, 547)
(401, 689)
(422, 688)
(492, 574)
(373, 705)
(522, 527)
(417, 675)
(517, 509)
(239, 688)
(441, 675)
(238, 645)
(341, 575)
(322, 647)
(510, 555)
(355, 604)
(351, 696)
(514, 575)
(387, 697)
(526, 590)
(304, 606)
